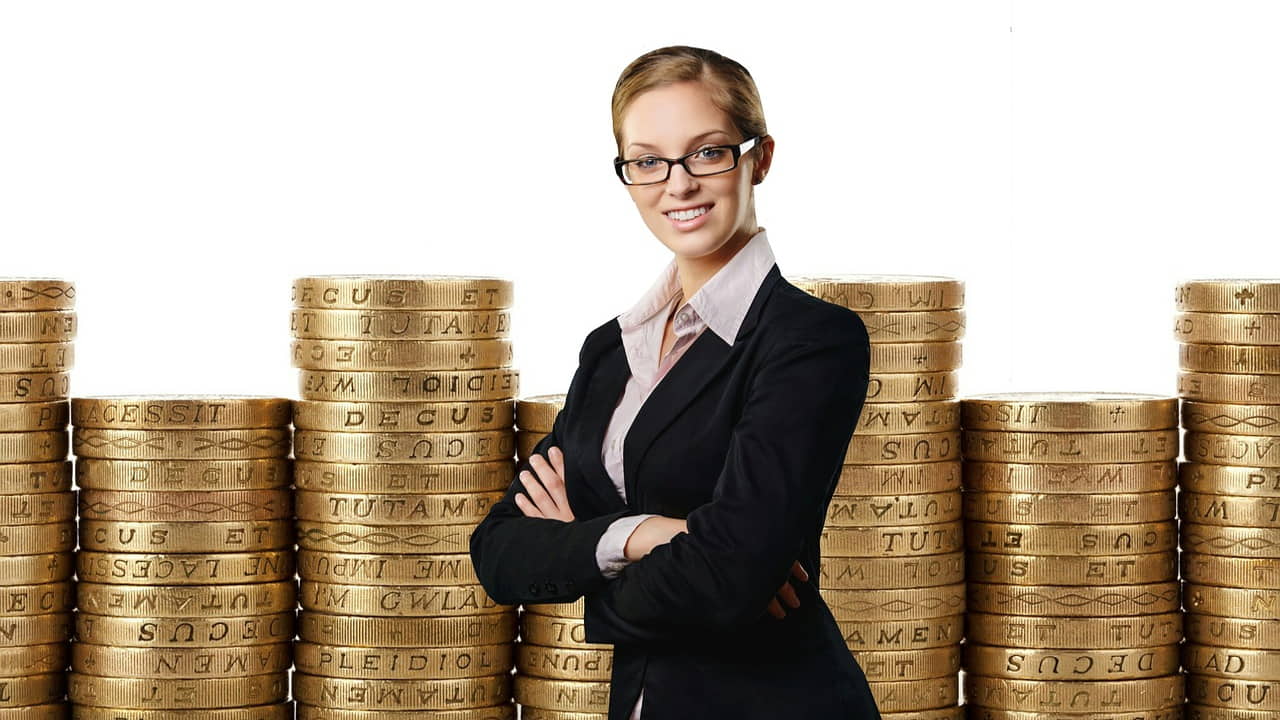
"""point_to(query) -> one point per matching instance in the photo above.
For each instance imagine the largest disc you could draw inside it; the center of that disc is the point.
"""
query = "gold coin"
(1229, 510)
(1244, 359)
(1222, 449)
(185, 568)
(1083, 695)
(1022, 539)
(279, 711)
(1078, 633)
(1169, 713)
(950, 713)
(410, 385)
(895, 479)
(1207, 712)
(1229, 480)
(417, 292)
(881, 573)
(1070, 478)
(401, 354)
(41, 599)
(921, 357)
(1227, 328)
(1058, 508)
(181, 444)
(1230, 541)
(884, 292)
(1069, 412)
(393, 539)
(26, 417)
(564, 663)
(1248, 603)
(1238, 389)
(398, 600)
(32, 690)
(1203, 417)
(916, 634)
(185, 537)
(913, 417)
(897, 665)
(526, 441)
(403, 447)
(181, 601)
(904, 541)
(25, 660)
(911, 696)
(1053, 664)
(36, 569)
(906, 604)
(493, 712)
(1228, 295)
(40, 326)
(171, 694)
(573, 609)
(38, 509)
(456, 569)
(35, 478)
(538, 412)
(33, 447)
(556, 632)
(571, 696)
(1234, 694)
(34, 294)
(437, 663)
(181, 412)
(180, 475)
(1071, 447)
(410, 632)
(912, 386)
(881, 510)
(1073, 570)
(35, 629)
(396, 478)
(906, 448)
(366, 417)
(185, 506)
(185, 632)
(1230, 571)
(1074, 601)
(1233, 632)
(314, 324)
(58, 537)
(35, 387)
(180, 663)
(47, 711)
(1236, 663)
(444, 694)
(913, 326)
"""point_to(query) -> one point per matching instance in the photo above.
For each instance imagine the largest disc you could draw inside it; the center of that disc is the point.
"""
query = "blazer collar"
(702, 361)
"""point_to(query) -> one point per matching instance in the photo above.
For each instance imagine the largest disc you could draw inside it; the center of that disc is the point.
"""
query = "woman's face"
(669, 122)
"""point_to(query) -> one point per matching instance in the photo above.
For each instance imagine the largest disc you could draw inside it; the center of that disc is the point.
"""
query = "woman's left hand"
(546, 493)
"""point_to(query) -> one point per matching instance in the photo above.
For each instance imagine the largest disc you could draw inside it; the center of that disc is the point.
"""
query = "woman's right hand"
(788, 593)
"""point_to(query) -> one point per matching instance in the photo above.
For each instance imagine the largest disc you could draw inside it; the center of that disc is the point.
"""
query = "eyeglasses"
(711, 160)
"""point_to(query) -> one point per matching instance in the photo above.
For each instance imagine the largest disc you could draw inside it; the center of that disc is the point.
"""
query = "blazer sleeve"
(521, 559)
(800, 413)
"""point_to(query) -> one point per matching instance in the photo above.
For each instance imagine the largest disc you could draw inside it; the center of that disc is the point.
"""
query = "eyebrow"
(693, 140)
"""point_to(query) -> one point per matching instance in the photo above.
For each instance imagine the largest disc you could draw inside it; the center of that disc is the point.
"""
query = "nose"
(679, 181)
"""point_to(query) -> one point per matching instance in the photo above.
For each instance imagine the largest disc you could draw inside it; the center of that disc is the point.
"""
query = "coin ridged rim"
(402, 292)
(1229, 540)
(404, 447)
(38, 509)
(247, 444)
(322, 354)
(929, 416)
(914, 664)
(36, 294)
(1249, 295)
(905, 604)
(178, 601)
(33, 416)
(35, 478)
(902, 634)
(1228, 631)
(415, 385)
(1254, 664)
(55, 537)
(1209, 328)
(380, 663)
(1064, 509)
(915, 695)
(886, 573)
(578, 696)
(184, 568)
(1233, 419)
(171, 632)
(278, 711)
(354, 416)
(538, 412)
(1257, 573)
(1232, 389)
(400, 324)
(1093, 539)
(34, 690)
(492, 712)
(557, 631)
(904, 326)
(1138, 569)
(183, 475)
(884, 292)
(901, 541)
(186, 505)
(1118, 664)
(1207, 690)
(398, 600)
(1094, 695)
(385, 569)
(908, 447)
(198, 694)
(1237, 510)
(391, 539)
(897, 479)
(17, 661)
(398, 478)
(1078, 633)
(1248, 359)
(181, 412)
(186, 537)
(380, 694)
(179, 663)
(38, 629)
(1224, 449)
(1246, 603)
(1229, 479)
(912, 386)
(1069, 412)
(1071, 447)
(396, 632)
(29, 326)
(1075, 601)
(893, 510)
(33, 446)
(1069, 478)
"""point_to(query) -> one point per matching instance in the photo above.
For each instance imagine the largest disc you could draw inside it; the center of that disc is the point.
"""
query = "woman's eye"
(711, 153)
(645, 163)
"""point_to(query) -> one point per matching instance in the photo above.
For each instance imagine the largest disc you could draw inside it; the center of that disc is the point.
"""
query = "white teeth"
(688, 214)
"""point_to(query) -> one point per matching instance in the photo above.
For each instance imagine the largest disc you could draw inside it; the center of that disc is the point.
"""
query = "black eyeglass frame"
(738, 151)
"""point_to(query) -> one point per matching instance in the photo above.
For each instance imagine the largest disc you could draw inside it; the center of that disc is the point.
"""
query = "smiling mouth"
(689, 214)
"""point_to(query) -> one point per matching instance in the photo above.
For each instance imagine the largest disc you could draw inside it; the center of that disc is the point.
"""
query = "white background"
(182, 162)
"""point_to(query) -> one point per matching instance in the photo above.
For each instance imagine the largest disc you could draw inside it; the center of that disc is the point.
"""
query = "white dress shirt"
(720, 304)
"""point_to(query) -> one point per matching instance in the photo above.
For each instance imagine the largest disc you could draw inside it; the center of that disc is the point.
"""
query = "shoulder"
(600, 338)
(793, 315)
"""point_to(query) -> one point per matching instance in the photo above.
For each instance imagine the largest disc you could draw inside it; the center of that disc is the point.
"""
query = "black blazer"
(745, 442)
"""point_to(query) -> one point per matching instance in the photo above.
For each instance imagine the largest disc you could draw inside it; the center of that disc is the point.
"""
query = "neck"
(695, 272)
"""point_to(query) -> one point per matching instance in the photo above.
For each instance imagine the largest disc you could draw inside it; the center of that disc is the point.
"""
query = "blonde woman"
(684, 486)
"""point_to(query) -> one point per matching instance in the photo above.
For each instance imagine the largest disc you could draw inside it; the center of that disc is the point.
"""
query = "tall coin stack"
(1230, 496)
(1074, 609)
(404, 441)
(560, 674)
(37, 506)
(186, 572)
(892, 549)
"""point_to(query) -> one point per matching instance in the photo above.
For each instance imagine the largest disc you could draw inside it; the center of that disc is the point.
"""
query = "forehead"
(668, 117)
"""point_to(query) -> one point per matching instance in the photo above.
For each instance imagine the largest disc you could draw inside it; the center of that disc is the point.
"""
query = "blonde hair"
(730, 85)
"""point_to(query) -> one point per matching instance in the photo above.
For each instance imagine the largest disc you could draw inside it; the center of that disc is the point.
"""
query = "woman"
(682, 510)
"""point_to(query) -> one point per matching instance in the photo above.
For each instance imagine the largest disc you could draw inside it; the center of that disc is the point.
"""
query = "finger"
(799, 571)
(776, 610)
(546, 474)
(526, 506)
(557, 461)
(788, 593)
(537, 493)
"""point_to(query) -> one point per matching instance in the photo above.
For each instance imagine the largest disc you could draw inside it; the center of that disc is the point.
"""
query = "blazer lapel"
(607, 383)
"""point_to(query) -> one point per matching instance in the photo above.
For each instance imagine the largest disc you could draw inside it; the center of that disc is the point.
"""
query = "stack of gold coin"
(37, 506)
(187, 591)
(893, 564)
(1229, 497)
(559, 674)
(1071, 540)
(403, 442)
